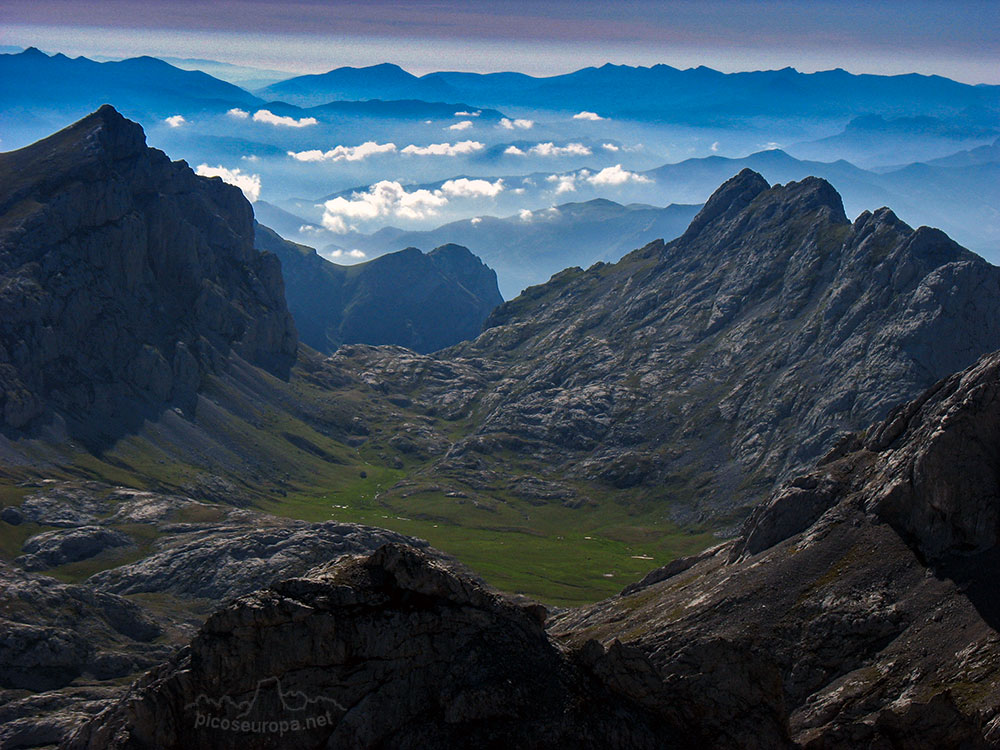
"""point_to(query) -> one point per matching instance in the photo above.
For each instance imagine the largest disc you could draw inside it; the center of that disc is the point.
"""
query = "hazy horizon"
(958, 40)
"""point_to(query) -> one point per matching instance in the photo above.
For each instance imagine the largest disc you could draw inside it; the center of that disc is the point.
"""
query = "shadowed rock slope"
(424, 302)
(856, 610)
(706, 369)
(143, 339)
(124, 280)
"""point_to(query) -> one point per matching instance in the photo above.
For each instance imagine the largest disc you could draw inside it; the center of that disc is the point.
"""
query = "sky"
(959, 39)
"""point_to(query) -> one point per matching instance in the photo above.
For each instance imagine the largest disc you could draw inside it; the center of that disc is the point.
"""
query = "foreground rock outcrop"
(856, 610)
(125, 279)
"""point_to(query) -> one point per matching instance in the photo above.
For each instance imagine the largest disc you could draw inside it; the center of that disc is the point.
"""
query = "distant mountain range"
(527, 250)
(958, 193)
(697, 95)
(424, 302)
(42, 91)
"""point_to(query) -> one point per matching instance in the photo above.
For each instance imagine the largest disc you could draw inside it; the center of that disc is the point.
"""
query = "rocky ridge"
(705, 370)
(856, 624)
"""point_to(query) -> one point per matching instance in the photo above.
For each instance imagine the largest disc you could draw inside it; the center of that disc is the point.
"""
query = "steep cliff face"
(868, 620)
(869, 583)
(124, 279)
(423, 301)
(708, 368)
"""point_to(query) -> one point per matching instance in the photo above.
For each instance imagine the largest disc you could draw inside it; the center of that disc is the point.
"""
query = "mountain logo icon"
(269, 709)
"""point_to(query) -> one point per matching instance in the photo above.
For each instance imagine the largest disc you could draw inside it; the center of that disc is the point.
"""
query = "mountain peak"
(104, 132)
(734, 195)
(812, 193)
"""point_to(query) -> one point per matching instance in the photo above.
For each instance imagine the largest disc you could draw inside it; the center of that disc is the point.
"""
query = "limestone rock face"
(709, 369)
(124, 279)
(52, 633)
(868, 583)
(53, 548)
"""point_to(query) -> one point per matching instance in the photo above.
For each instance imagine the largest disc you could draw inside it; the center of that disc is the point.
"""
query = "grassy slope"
(285, 449)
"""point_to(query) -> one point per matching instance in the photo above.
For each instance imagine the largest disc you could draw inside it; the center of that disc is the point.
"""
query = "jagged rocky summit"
(856, 610)
(702, 372)
(124, 280)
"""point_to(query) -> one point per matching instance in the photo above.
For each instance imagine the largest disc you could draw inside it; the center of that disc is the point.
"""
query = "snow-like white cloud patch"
(248, 183)
(239, 114)
(250, 158)
(585, 115)
(565, 183)
(357, 254)
(507, 124)
(771, 146)
(476, 220)
(550, 149)
(463, 125)
(615, 176)
(525, 214)
(468, 114)
(445, 149)
(463, 187)
(385, 198)
(175, 121)
(609, 147)
(345, 153)
(715, 146)
(268, 117)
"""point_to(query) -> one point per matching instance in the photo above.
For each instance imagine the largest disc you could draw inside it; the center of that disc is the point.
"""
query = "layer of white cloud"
(715, 146)
(551, 149)
(585, 115)
(357, 254)
(615, 176)
(248, 183)
(251, 158)
(385, 198)
(475, 220)
(175, 121)
(565, 183)
(609, 147)
(525, 214)
(609, 176)
(345, 153)
(509, 124)
(463, 187)
(267, 116)
(239, 114)
(445, 149)
(468, 114)
(463, 125)
(390, 199)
